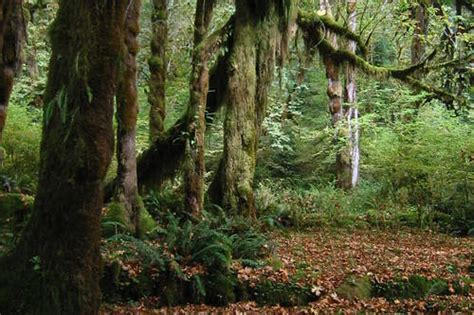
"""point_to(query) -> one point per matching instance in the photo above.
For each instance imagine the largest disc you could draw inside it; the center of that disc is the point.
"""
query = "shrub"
(21, 141)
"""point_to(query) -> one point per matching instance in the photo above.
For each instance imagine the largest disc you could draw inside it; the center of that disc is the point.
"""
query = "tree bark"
(12, 32)
(157, 65)
(55, 268)
(351, 98)
(334, 92)
(251, 66)
(126, 193)
(194, 154)
(421, 28)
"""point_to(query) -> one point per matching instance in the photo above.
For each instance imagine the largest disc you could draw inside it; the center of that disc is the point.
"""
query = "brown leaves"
(323, 259)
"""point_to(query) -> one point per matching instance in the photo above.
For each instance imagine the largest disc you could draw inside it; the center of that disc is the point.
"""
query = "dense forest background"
(288, 148)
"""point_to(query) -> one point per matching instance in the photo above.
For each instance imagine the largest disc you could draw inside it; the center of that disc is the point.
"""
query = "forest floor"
(326, 259)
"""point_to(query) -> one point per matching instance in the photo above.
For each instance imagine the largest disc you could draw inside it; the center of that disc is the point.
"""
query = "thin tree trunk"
(157, 64)
(12, 32)
(127, 110)
(351, 99)
(55, 268)
(194, 151)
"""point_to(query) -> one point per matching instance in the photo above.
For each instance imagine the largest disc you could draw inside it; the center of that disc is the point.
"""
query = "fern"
(147, 253)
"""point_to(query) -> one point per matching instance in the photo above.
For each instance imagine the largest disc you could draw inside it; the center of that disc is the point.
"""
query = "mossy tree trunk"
(126, 190)
(162, 160)
(12, 32)
(157, 65)
(55, 268)
(250, 70)
(194, 150)
(352, 112)
(420, 17)
(334, 92)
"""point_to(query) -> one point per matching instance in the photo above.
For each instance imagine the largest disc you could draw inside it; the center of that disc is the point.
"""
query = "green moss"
(415, 287)
(220, 288)
(312, 18)
(3, 154)
(115, 220)
(10, 203)
(155, 63)
(284, 294)
(146, 223)
(15, 210)
(355, 289)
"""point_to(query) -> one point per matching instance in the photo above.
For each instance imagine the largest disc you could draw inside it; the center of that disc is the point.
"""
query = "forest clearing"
(236, 156)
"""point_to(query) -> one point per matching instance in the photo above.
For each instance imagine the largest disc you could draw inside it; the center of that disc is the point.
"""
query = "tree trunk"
(55, 268)
(12, 32)
(250, 70)
(334, 92)
(126, 194)
(194, 154)
(419, 15)
(161, 161)
(351, 99)
(157, 65)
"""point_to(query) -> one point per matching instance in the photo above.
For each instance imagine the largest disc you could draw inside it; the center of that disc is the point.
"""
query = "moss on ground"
(116, 221)
(355, 288)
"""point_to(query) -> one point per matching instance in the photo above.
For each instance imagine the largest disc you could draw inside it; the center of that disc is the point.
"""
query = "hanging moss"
(314, 20)
(250, 73)
(162, 160)
(315, 41)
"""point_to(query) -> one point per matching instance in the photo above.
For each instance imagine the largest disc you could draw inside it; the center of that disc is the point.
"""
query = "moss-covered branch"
(314, 39)
(215, 40)
(310, 20)
(162, 160)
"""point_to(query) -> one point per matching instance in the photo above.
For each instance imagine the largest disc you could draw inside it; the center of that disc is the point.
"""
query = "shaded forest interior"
(236, 156)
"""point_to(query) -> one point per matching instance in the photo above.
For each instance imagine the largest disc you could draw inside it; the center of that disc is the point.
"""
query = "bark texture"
(334, 89)
(352, 112)
(126, 193)
(12, 32)
(55, 268)
(194, 159)
(157, 64)
(419, 15)
(250, 70)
